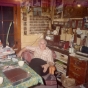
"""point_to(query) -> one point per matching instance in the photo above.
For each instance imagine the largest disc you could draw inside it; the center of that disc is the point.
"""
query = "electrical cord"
(36, 40)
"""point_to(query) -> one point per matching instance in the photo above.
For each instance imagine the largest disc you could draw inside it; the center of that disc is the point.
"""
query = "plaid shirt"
(45, 55)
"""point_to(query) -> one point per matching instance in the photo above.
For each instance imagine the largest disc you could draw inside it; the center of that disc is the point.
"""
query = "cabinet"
(78, 69)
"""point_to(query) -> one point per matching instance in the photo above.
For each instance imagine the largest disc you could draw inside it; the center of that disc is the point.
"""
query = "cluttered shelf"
(62, 59)
(55, 48)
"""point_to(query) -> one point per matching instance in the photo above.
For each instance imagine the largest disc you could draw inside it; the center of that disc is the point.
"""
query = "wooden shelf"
(63, 51)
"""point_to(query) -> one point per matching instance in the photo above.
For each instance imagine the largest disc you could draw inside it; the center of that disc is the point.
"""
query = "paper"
(4, 60)
(14, 60)
(63, 37)
(78, 41)
(68, 37)
(1, 65)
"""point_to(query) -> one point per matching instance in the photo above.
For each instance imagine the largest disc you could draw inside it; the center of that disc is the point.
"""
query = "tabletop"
(34, 79)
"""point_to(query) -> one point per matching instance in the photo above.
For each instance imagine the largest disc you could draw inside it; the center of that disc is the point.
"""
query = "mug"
(1, 80)
(21, 63)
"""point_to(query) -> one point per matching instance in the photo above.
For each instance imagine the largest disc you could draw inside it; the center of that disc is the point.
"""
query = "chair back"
(28, 55)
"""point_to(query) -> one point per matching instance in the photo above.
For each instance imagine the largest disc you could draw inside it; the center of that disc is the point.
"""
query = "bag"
(67, 82)
(51, 80)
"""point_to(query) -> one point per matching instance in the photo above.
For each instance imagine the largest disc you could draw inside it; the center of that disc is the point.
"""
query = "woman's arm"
(24, 49)
(21, 51)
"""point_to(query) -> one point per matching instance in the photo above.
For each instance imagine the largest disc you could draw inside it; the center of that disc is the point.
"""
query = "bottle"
(1, 47)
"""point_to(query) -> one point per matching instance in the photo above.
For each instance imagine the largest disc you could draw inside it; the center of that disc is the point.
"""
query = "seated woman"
(42, 57)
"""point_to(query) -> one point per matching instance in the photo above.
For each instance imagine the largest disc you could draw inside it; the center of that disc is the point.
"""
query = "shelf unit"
(62, 60)
(61, 64)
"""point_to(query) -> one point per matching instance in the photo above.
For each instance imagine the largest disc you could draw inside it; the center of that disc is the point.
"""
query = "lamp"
(7, 42)
(26, 6)
(78, 5)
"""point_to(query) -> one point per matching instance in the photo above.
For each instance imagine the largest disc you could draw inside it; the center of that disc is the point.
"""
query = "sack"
(67, 82)
(51, 80)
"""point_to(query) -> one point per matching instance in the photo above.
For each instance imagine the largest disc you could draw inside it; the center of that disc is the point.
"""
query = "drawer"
(78, 82)
(78, 70)
(76, 76)
(77, 62)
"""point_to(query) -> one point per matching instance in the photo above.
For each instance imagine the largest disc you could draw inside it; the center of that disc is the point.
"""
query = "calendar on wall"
(38, 24)
(35, 24)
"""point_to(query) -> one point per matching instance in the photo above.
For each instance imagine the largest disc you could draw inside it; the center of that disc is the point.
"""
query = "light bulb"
(78, 5)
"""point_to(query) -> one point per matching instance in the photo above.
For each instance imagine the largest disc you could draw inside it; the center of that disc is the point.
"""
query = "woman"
(42, 57)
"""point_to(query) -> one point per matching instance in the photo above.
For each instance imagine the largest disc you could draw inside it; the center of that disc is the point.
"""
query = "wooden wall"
(10, 1)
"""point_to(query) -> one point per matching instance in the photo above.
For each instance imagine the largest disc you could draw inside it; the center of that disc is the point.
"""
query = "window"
(6, 18)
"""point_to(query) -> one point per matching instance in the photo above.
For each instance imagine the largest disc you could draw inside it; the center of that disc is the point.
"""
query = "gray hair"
(42, 39)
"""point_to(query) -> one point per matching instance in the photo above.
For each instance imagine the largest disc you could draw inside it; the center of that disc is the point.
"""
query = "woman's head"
(42, 44)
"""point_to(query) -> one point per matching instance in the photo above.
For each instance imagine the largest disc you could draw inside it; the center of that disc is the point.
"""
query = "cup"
(21, 63)
(1, 80)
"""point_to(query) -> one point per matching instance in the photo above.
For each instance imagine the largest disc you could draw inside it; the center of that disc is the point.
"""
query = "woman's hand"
(45, 67)
(19, 54)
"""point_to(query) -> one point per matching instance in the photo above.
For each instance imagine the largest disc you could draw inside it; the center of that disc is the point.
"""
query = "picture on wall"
(37, 11)
(58, 3)
(73, 23)
(25, 28)
(80, 24)
(58, 29)
(25, 32)
(36, 2)
(86, 25)
(25, 23)
(86, 19)
(59, 7)
(24, 18)
(55, 22)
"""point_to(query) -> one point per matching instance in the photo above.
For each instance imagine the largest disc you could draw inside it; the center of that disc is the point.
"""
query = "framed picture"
(86, 19)
(74, 24)
(86, 25)
(25, 14)
(80, 24)
(25, 32)
(55, 22)
(36, 2)
(61, 23)
(25, 28)
(25, 23)
(67, 24)
(24, 18)
(58, 3)
(58, 7)
(37, 11)
(58, 29)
